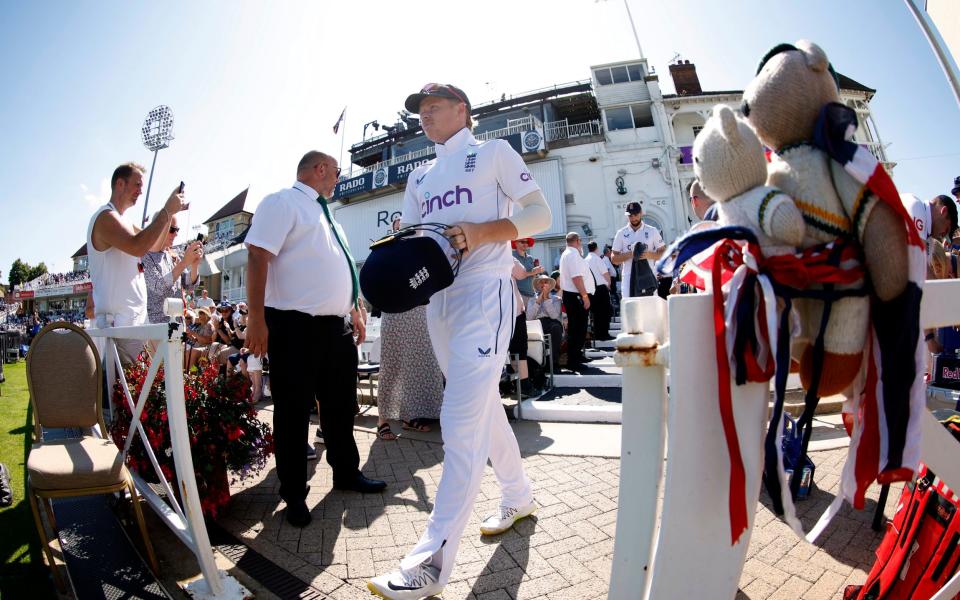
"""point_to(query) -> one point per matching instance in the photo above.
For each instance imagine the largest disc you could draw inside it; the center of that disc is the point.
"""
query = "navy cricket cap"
(437, 90)
(403, 271)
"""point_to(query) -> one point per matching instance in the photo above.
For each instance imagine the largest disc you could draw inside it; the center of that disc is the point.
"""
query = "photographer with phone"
(114, 248)
(167, 273)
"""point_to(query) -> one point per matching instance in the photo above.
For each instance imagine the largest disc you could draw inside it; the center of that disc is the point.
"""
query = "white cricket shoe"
(496, 524)
(420, 582)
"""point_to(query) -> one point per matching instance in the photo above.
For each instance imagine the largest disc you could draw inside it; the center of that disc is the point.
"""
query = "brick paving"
(563, 553)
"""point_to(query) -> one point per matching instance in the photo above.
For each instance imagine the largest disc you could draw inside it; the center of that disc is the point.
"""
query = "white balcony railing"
(513, 126)
(561, 130)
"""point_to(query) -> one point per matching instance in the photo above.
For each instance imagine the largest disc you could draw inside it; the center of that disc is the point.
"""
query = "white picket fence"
(683, 550)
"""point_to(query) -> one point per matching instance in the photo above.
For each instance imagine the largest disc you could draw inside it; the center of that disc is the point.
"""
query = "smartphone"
(536, 262)
(199, 237)
(181, 187)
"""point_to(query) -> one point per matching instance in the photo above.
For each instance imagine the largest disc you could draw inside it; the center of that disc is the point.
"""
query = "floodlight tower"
(157, 131)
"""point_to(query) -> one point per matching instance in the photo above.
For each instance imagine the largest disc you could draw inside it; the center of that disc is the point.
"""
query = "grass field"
(23, 574)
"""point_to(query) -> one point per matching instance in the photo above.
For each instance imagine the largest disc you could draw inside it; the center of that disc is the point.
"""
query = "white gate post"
(640, 353)
(695, 522)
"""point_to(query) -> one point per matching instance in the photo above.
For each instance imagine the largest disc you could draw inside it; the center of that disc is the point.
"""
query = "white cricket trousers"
(470, 325)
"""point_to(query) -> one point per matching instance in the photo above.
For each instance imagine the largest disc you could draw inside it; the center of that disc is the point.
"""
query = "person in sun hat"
(486, 195)
(521, 250)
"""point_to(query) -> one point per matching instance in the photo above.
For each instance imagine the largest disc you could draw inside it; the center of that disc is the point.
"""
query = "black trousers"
(311, 358)
(576, 326)
(600, 308)
(554, 329)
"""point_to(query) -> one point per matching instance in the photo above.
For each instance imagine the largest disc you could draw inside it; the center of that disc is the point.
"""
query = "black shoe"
(361, 484)
(298, 515)
(528, 390)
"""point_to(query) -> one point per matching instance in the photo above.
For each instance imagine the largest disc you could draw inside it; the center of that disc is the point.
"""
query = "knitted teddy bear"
(782, 103)
(730, 164)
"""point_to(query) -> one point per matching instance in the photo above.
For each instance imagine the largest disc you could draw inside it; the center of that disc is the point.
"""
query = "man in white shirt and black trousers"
(600, 306)
(577, 284)
(302, 295)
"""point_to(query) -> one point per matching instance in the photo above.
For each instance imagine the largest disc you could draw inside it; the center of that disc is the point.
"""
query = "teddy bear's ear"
(814, 55)
(728, 123)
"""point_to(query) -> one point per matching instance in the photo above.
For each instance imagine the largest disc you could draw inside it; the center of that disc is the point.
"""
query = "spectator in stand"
(115, 247)
(546, 307)
(944, 339)
(205, 301)
(576, 281)
(521, 248)
(190, 325)
(201, 337)
(600, 302)
(703, 206)
(167, 274)
(518, 341)
(225, 332)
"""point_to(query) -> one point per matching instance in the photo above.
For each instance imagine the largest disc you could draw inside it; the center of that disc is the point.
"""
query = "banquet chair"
(65, 379)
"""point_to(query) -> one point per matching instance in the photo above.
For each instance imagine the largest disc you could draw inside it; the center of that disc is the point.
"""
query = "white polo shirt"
(596, 267)
(610, 268)
(627, 237)
(469, 181)
(919, 212)
(573, 264)
(205, 302)
(309, 271)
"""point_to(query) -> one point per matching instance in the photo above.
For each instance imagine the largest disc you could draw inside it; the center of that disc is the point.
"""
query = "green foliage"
(24, 574)
(22, 272)
(19, 273)
(37, 271)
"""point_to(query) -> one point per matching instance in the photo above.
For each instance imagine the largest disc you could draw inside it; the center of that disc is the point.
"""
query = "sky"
(254, 85)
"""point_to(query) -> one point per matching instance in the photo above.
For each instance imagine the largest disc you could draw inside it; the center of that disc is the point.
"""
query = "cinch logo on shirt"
(525, 176)
(448, 198)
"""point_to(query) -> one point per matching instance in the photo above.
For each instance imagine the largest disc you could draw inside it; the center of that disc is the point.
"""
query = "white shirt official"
(627, 237)
(610, 268)
(309, 272)
(597, 268)
(573, 264)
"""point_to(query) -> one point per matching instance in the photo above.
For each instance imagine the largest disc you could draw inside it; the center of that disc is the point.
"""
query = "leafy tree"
(37, 271)
(19, 272)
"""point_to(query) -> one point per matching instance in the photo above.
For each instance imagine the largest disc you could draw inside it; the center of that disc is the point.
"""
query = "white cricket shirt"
(473, 182)
(627, 237)
(309, 271)
(919, 212)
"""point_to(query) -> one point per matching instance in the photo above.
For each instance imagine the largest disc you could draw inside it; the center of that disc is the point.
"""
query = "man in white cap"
(486, 192)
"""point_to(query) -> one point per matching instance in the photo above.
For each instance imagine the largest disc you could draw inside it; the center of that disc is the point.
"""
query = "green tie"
(346, 251)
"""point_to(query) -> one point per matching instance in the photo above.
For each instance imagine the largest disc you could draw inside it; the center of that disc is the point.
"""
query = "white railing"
(561, 130)
(186, 522)
(513, 126)
(693, 523)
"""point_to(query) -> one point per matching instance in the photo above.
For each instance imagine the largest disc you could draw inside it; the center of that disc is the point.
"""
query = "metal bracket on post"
(641, 353)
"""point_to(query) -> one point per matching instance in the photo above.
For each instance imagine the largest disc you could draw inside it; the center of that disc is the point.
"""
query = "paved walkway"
(564, 553)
